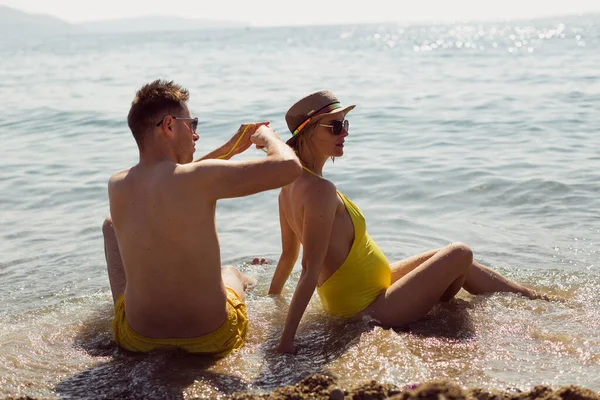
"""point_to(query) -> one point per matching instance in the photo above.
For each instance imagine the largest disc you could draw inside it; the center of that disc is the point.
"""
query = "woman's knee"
(460, 254)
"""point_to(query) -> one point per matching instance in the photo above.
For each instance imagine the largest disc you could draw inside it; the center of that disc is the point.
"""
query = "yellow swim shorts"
(228, 337)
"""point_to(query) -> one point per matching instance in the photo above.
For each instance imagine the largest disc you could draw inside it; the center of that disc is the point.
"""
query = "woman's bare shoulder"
(319, 191)
(308, 192)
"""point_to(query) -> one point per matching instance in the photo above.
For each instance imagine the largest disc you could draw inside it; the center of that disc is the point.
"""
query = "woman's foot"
(535, 295)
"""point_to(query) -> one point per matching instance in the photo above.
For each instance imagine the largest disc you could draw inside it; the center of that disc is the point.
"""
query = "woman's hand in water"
(286, 348)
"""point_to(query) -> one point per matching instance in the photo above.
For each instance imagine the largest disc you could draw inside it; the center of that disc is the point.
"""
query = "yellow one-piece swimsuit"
(363, 276)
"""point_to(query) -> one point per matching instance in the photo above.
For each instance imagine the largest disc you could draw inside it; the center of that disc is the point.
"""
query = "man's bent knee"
(228, 269)
(232, 274)
(233, 278)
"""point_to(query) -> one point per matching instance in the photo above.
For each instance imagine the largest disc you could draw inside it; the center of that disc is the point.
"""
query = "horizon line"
(249, 24)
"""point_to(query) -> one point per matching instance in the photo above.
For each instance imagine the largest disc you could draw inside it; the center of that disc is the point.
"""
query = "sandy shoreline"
(323, 387)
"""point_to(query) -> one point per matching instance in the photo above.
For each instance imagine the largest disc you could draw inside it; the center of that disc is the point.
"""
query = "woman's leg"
(412, 296)
(403, 267)
(479, 279)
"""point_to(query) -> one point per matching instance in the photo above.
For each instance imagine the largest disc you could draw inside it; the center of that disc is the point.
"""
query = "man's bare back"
(168, 241)
(161, 240)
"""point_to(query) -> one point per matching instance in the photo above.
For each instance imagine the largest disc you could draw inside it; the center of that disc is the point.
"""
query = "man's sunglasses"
(337, 126)
(193, 125)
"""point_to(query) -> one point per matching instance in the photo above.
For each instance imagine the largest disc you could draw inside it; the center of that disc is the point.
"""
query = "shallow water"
(485, 134)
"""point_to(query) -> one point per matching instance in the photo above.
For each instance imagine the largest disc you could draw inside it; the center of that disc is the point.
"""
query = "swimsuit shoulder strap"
(358, 219)
(311, 172)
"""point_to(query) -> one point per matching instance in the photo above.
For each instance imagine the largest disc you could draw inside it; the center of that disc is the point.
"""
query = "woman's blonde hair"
(302, 143)
(302, 140)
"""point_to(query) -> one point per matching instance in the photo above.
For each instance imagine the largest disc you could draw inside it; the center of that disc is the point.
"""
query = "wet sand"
(324, 387)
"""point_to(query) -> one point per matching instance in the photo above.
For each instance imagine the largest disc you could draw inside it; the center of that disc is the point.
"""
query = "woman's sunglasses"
(337, 126)
(193, 125)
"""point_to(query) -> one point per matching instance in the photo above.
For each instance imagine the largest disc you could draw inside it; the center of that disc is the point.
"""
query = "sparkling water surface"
(488, 134)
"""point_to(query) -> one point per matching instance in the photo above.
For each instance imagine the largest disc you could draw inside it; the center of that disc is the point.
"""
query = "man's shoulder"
(118, 176)
(117, 183)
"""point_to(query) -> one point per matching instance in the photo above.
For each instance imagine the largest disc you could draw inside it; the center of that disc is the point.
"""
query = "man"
(161, 245)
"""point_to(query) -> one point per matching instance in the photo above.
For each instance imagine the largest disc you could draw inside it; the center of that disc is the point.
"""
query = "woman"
(351, 274)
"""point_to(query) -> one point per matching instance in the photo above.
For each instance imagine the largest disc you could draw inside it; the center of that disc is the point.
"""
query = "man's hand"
(244, 142)
(262, 135)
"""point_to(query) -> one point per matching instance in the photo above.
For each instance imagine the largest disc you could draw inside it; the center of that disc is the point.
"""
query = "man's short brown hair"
(151, 103)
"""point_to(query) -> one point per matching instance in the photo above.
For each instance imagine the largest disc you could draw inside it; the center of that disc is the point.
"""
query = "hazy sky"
(306, 12)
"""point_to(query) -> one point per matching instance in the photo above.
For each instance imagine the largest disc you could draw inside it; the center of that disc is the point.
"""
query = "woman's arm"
(319, 214)
(290, 247)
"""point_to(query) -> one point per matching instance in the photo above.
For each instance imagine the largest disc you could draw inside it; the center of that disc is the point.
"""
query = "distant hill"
(15, 23)
(155, 24)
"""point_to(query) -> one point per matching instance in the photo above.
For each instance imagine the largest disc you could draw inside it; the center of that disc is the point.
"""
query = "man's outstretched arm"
(226, 179)
(238, 143)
